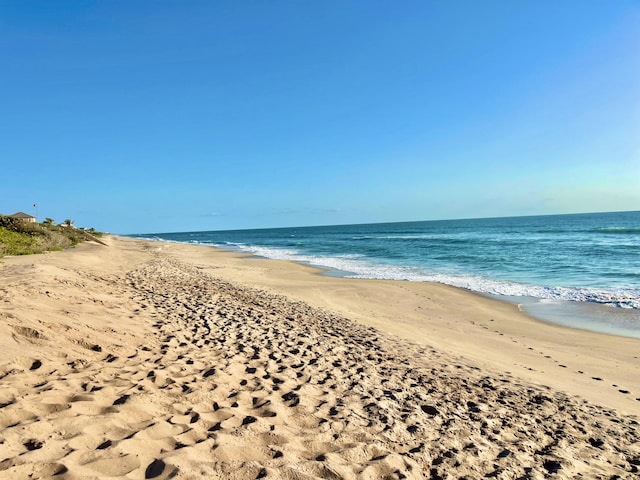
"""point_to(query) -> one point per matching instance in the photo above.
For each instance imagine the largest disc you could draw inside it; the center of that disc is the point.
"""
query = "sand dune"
(145, 360)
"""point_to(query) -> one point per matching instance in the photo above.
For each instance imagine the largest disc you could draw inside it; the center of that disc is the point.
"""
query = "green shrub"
(18, 237)
(16, 243)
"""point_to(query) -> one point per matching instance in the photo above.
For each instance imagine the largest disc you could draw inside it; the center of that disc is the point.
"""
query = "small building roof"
(22, 215)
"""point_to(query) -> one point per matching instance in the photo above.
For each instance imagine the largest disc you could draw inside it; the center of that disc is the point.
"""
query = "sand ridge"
(138, 364)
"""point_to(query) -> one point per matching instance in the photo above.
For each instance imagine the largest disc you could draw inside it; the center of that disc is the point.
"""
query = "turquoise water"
(580, 270)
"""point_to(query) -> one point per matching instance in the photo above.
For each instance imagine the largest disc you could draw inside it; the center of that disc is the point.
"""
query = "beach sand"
(158, 360)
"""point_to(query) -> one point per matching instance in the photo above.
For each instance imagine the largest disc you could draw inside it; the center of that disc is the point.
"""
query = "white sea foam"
(355, 267)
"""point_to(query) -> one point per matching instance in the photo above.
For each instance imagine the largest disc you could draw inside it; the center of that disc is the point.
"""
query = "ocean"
(580, 270)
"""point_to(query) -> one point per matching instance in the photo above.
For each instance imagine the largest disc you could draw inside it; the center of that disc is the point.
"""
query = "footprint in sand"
(35, 365)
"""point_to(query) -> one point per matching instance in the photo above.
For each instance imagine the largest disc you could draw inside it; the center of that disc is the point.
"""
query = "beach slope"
(157, 360)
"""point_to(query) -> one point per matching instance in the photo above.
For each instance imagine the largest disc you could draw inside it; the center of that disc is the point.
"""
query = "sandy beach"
(158, 360)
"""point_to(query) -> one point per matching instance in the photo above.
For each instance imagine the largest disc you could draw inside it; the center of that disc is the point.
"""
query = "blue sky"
(151, 116)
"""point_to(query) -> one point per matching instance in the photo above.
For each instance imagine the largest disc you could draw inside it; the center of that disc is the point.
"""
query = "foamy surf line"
(355, 266)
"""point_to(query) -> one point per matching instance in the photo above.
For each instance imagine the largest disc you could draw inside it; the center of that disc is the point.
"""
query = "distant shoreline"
(575, 307)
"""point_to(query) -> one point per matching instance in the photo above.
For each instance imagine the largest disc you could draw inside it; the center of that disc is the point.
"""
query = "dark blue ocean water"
(582, 270)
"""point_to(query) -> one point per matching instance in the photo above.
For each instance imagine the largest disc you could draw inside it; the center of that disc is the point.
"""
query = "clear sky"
(152, 116)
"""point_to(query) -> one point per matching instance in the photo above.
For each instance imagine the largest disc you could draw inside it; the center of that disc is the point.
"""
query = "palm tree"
(68, 222)
(48, 221)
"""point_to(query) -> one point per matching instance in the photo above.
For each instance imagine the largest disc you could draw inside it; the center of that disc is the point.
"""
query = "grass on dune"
(18, 237)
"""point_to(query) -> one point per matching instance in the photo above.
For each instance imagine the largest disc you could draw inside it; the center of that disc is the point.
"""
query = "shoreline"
(492, 332)
(581, 315)
(155, 360)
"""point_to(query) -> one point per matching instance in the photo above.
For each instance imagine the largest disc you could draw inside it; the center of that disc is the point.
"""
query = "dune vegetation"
(18, 237)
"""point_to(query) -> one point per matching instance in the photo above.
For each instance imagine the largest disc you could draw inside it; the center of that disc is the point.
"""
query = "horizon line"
(383, 223)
